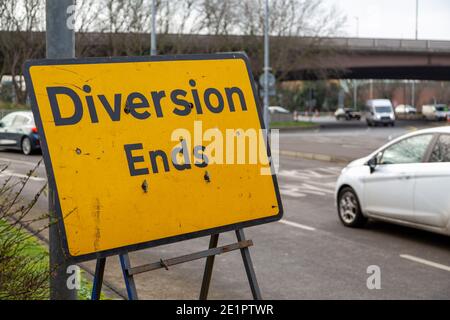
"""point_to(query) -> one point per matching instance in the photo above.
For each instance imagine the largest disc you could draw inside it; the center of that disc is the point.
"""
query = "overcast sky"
(396, 18)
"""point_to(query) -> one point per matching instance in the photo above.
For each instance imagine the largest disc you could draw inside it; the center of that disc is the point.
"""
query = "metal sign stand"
(129, 271)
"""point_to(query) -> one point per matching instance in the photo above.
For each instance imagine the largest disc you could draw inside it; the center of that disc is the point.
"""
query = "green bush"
(24, 261)
(23, 273)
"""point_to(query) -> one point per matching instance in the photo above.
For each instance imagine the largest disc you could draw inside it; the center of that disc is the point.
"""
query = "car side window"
(20, 120)
(441, 150)
(410, 150)
(8, 119)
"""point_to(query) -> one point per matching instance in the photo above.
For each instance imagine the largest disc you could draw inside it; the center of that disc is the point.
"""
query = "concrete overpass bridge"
(361, 58)
(351, 58)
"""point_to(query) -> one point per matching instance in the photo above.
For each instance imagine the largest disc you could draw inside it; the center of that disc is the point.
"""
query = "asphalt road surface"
(307, 255)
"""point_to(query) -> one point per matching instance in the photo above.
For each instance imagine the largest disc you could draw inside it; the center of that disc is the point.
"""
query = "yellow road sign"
(147, 151)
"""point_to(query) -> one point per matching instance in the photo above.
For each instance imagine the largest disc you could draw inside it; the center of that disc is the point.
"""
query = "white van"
(379, 111)
(435, 112)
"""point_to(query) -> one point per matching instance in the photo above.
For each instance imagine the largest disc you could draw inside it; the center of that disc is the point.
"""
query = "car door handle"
(405, 177)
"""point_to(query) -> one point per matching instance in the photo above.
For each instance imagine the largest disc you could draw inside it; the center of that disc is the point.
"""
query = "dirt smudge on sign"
(97, 210)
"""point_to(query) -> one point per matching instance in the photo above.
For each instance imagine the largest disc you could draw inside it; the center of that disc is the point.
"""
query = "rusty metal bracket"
(189, 257)
(163, 264)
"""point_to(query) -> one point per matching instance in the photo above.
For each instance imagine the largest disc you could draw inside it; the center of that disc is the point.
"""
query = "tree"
(121, 27)
(20, 19)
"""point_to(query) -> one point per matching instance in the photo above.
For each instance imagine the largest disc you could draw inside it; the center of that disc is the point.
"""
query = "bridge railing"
(390, 44)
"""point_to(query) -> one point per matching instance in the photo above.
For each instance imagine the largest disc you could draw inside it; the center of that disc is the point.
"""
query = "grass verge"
(13, 106)
(293, 124)
(32, 249)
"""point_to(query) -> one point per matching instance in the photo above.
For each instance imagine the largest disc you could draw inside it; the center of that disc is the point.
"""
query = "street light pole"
(60, 41)
(266, 66)
(153, 33)
(371, 89)
(417, 19)
(413, 84)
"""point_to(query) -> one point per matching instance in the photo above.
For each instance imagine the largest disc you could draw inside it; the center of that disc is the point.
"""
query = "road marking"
(19, 161)
(297, 225)
(319, 181)
(7, 173)
(426, 262)
(302, 189)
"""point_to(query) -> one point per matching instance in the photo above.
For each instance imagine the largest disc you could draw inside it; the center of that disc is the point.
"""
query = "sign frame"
(158, 242)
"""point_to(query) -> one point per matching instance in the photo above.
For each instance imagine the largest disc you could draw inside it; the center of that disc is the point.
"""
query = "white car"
(407, 181)
(435, 112)
(379, 111)
(405, 109)
(278, 109)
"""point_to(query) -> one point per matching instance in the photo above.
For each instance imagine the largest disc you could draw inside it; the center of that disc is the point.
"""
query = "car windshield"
(440, 108)
(383, 109)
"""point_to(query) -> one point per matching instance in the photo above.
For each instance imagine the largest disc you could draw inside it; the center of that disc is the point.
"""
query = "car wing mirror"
(2, 124)
(372, 163)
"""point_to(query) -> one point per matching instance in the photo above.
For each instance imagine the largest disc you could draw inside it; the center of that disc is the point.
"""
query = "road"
(307, 255)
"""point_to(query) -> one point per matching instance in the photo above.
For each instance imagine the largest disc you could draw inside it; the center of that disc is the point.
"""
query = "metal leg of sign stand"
(98, 279)
(100, 271)
(245, 252)
(129, 271)
(208, 268)
(129, 280)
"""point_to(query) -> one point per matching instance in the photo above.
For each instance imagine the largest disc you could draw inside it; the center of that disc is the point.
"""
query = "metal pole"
(417, 19)
(245, 253)
(153, 33)
(355, 94)
(60, 40)
(413, 84)
(266, 66)
(129, 279)
(371, 88)
(98, 279)
(208, 268)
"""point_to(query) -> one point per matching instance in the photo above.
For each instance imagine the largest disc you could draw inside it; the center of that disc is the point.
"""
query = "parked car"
(347, 114)
(435, 112)
(406, 181)
(278, 109)
(405, 109)
(18, 131)
(379, 111)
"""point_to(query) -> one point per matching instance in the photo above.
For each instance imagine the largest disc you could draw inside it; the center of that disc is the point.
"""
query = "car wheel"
(26, 146)
(349, 209)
